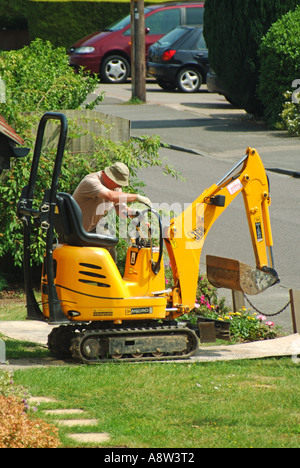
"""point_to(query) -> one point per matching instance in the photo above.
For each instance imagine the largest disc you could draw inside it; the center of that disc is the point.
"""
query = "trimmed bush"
(233, 32)
(280, 64)
(63, 23)
(17, 430)
(13, 14)
(38, 78)
(290, 116)
(18, 427)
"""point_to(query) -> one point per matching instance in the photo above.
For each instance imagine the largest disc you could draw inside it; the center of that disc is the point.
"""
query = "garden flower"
(270, 324)
(261, 318)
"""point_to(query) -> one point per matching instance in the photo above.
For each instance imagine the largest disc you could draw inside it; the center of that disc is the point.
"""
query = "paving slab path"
(38, 331)
(73, 421)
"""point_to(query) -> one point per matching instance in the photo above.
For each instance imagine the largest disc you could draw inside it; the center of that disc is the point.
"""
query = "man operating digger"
(98, 192)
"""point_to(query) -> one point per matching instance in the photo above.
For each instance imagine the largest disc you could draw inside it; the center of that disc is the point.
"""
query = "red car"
(107, 52)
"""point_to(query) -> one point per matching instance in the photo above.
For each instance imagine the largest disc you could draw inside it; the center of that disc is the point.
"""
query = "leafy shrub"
(233, 32)
(289, 118)
(3, 283)
(8, 388)
(18, 428)
(280, 65)
(39, 78)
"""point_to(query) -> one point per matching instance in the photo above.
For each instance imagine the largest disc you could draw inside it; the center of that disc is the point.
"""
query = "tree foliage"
(280, 67)
(233, 31)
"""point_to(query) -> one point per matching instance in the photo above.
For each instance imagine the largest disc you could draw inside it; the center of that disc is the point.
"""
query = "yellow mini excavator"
(103, 315)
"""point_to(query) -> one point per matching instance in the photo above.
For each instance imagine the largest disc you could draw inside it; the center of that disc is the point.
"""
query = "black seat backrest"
(69, 228)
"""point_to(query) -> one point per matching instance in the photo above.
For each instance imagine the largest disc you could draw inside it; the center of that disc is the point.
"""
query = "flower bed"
(245, 325)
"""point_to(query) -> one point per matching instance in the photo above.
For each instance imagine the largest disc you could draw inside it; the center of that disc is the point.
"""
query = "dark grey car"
(180, 59)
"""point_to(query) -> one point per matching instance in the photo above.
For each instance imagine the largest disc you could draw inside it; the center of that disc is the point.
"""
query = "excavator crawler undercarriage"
(145, 341)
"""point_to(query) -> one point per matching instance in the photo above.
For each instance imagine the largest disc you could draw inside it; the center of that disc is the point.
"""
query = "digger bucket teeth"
(237, 276)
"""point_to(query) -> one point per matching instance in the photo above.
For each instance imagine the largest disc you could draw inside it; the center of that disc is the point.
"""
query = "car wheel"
(115, 69)
(166, 85)
(189, 80)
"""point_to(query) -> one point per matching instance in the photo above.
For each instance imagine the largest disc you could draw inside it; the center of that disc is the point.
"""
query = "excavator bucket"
(237, 276)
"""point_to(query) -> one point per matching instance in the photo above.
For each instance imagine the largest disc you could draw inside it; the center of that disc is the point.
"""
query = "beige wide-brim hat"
(119, 173)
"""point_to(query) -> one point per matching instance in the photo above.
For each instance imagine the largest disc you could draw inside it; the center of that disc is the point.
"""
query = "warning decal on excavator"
(174, 243)
(102, 313)
(197, 234)
(133, 257)
(258, 228)
(235, 186)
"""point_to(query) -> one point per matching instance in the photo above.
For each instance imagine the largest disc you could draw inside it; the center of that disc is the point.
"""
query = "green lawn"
(249, 403)
(223, 404)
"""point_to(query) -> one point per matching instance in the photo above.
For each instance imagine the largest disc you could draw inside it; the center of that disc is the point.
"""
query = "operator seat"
(69, 228)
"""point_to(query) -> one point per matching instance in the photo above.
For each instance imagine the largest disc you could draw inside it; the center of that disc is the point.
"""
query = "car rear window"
(194, 16)
(201, 44)
(160, 22)
(120, 24)
(163, 21)
(172, 37)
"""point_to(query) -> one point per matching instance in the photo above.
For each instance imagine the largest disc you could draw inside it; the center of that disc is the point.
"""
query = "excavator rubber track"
(130, 343)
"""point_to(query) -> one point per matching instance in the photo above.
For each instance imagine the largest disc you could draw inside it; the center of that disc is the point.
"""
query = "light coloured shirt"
(92, 206)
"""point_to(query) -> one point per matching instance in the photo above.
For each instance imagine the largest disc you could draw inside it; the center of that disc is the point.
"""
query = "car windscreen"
(172, 37)
(120, 24)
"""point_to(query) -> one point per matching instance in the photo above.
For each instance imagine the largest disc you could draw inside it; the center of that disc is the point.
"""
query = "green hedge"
(63, 23)
(13, 14)
(233, 31)
(280, 64)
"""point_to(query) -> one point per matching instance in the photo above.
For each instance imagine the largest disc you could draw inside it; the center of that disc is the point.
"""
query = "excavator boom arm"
(187, 233)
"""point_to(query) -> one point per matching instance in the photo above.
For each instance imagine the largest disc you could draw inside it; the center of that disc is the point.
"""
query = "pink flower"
(208, 305)
(167, 281)
(202, 299)
(261, 318)
(270, 324)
